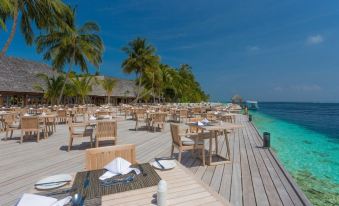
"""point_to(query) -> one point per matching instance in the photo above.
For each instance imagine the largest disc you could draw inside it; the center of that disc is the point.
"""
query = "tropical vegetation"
(108, 85)
(141, 59)
(28, 14)
(65, 44)
(159, 81)
(72, 46)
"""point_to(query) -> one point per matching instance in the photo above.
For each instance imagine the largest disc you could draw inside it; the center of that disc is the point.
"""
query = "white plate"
(168, 164)
(54, 178)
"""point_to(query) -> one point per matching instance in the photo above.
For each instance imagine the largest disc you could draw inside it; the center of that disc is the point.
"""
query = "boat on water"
(251, 105)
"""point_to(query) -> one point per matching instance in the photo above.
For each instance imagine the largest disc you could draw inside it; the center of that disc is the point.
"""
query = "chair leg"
(6, 134)
(22, 137)
(179, 158)
(11, 134)
(203, 156)
(96, 143)
(38, 136)
(70, 144)
(172, 150)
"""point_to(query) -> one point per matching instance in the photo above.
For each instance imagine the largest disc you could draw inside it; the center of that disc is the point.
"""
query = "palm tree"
(141, 58)
(82, 85)
(5, 10)
(108, 85)
(43, 13)
(51, 86)
(74, 46)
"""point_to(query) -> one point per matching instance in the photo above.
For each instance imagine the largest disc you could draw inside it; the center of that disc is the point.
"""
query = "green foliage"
(29, 14)
(82, 85)
(108, 84)
(71, 45)
(173, 85)
(51, 86)
(140, 60)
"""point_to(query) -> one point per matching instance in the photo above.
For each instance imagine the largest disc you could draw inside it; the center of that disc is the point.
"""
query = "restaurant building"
(18, 78)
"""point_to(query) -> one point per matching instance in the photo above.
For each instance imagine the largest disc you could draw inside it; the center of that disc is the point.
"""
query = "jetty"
(254, 175)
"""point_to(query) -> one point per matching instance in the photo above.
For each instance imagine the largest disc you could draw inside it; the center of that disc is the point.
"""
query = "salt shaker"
(162, 193)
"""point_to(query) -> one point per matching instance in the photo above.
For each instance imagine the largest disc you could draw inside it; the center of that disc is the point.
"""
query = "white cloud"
(315, 39)
(253, 48)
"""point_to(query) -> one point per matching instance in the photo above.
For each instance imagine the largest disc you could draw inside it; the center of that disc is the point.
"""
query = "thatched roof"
(19, 75)
(122, 88)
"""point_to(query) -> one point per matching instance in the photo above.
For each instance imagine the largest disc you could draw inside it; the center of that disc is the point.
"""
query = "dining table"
(183, 188)
(213, 129)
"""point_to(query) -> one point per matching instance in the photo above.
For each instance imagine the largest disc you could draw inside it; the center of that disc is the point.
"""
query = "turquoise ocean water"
(305, 138)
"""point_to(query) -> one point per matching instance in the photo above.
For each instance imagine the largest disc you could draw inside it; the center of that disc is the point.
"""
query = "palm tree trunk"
(83, 100)
(139, 88)
(63, 86)
(13, 30)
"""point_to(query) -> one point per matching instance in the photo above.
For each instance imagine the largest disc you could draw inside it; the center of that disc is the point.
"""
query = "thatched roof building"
(18, 77)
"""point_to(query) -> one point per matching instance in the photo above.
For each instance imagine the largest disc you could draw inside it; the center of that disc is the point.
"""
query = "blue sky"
(265, 50)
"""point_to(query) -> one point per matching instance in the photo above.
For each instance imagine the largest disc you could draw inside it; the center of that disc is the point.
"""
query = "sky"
(263, 50)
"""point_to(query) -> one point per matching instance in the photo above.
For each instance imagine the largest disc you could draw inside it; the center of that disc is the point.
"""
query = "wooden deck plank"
(247, 184)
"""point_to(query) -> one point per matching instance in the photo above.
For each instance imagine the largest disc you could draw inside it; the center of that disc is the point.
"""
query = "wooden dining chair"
(186, 141)
(32, 124)
(62, 116)
(158, 120)
(11, 123)
(97, 158)
(78, 130)
(106, 130)
(140, 116)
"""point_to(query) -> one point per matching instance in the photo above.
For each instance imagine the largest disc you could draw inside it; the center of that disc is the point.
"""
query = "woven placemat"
(95, 189)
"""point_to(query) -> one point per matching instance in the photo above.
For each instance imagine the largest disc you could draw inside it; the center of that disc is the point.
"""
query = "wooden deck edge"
(290, 179)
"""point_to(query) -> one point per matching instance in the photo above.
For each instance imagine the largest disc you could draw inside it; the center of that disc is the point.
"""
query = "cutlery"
(61, 192)
(48, 183)
(162, 166)
(141, 168)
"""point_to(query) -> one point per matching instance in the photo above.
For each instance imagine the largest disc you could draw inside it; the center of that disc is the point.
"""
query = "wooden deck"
(254, 177)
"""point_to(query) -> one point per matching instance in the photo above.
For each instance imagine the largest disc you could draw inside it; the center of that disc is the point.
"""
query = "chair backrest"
(183, 113)
(28, 123)
(159, 117)
(9, 118)
(97, 158)
(62, 113)
(106, 128)
(175, 130)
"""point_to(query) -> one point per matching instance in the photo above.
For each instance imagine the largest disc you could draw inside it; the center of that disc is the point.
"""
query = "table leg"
(210, 149)
(216, 141)
(228, 145)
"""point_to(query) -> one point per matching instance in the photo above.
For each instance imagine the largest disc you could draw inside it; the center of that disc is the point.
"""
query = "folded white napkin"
(92, 118)
(205, 121)
(43, 114)
(26, 115)
(36, 200)
(31, 108)
(216, 113)
(116, 167)
(200, 123)
(63, 202)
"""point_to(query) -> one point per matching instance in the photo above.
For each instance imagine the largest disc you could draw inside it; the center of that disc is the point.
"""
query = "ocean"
(305, 137)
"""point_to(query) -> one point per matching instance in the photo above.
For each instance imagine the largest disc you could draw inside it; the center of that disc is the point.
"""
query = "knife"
(162, 166)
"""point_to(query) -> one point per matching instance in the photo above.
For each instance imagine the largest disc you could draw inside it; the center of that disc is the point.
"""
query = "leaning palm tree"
(74, 46)
(51, 86)
(141, 58)
(82, 85)
(108, 85)
(41, 13)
